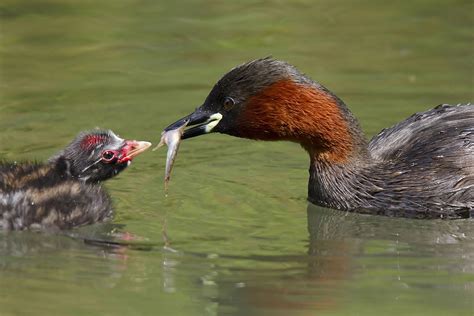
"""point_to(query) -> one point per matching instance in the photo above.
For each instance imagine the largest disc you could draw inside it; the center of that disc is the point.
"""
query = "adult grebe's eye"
(109, 155)
(228, 103)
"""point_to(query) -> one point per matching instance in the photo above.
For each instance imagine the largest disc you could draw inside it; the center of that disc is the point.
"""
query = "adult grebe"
(422, 167)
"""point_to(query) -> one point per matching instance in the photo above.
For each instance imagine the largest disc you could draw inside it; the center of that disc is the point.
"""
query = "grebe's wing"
(446, 130)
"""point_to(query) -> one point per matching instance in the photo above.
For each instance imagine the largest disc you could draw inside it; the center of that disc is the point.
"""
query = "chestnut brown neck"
(304, 113)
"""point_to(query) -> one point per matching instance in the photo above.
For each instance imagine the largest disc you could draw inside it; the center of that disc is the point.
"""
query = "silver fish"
(172, 139)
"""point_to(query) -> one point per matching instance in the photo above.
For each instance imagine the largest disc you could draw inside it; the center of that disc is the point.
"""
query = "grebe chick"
(66, 191)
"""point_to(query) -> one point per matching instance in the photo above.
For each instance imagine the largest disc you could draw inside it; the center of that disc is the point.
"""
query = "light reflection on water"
(341, 254)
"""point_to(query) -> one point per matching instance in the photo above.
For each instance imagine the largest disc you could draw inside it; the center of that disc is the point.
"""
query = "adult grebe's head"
(267, 99)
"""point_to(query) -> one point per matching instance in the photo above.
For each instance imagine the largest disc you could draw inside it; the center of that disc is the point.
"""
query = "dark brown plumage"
(422, 167)
(66, 191)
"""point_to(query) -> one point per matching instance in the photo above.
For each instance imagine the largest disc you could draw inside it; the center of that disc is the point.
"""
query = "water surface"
(243, 239)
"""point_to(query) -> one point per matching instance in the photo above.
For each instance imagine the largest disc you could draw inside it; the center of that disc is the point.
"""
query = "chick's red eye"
(109, 155)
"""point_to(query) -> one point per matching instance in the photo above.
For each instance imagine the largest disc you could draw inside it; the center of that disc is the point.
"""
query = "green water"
(244, 239)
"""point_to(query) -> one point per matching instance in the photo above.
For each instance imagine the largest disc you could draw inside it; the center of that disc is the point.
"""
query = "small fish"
(172, 139)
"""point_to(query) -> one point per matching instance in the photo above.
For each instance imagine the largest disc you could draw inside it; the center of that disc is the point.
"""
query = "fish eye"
(228, 103)
(109, 156)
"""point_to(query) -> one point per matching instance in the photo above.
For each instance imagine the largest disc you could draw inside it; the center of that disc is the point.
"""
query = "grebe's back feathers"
(445, 128)
(430, 158)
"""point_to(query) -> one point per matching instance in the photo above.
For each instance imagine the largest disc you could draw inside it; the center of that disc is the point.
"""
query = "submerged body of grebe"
(66, 191)
(422, 167)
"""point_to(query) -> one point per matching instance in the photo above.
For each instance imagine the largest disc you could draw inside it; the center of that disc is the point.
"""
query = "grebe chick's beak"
(133, 148)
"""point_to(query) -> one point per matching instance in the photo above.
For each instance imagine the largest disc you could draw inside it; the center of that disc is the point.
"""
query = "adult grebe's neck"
(309, 114)
(346, 186)
(302, 112)
(339, 139)
(338, 171)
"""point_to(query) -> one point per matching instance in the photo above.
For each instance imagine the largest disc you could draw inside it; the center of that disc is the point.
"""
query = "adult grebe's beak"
(198, 123)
